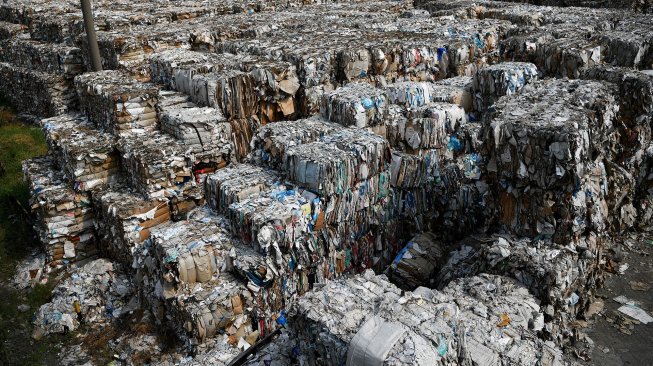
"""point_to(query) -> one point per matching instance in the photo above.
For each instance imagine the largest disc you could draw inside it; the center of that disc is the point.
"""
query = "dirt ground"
(617, 339)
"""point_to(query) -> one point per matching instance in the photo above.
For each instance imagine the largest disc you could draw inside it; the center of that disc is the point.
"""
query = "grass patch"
(19, 141)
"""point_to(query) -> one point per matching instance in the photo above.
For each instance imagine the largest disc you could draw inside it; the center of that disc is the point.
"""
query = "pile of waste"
(396, 182)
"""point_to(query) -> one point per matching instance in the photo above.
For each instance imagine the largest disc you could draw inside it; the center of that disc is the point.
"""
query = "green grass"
(18, 142)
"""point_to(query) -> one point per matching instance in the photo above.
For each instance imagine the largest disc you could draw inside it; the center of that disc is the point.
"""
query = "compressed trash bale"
(337, 165)
(461, 324)
(243, 130)
(364, 204)
(34, 92)
(432, 126)
(234, 92)
(629, 44)
(202, 313)
(409, 94)
(156, 164)
(236, 183)
(185, 280)
(635, 111)
(124, 220)
(408, 170)
(270, 142)
(64, 218)
(175, 68)
(418, 262)
(635, 89)
(275, 219)
(97, 293)
(277, 84)
(56, 28)
(87, 156)
(236, 26)
(557, 50)
(394, 122)
(129, 51)
(372, 151)
(465, 210)
(11, 30)
(42, 57)
(357, 105)
(620, 197)
(115, 102)
(457, 90)
(575, 131)
(353, 63)
(501, 79)
(624, 4)
(563, 280)
(321, 167)
(203, 129)
(193, 249)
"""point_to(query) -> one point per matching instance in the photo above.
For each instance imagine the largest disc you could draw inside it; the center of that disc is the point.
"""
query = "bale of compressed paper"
(501, 79)
(644, 197)
(408, 170)
(478, 320)
(321, 167)
(124, 221)
(410, 94)
(275, 219)
(339, 167)
(43, 57)
(175, 68)
(357, 105)
(372, 152)
(97, 293)
(203, 129)
(11, 30)
(184, 275)
(277, 84)
(360, 207)
(156, 164)
(563, 280)
(64, 218)
(635, 90)
(628, 44)
(270, 142)
(243, 130)
(575, 130)
(557, 50)
(34, 92)
(194, 250)
(88, 157)
(431, 126)
(129, 51)
(233, 91)
(457, 90)
(236, 183)
(353, 63)
(117, 103)
(56, 28)
(401, 59)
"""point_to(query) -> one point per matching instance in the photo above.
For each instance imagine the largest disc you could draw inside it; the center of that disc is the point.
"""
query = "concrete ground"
(617, 339)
